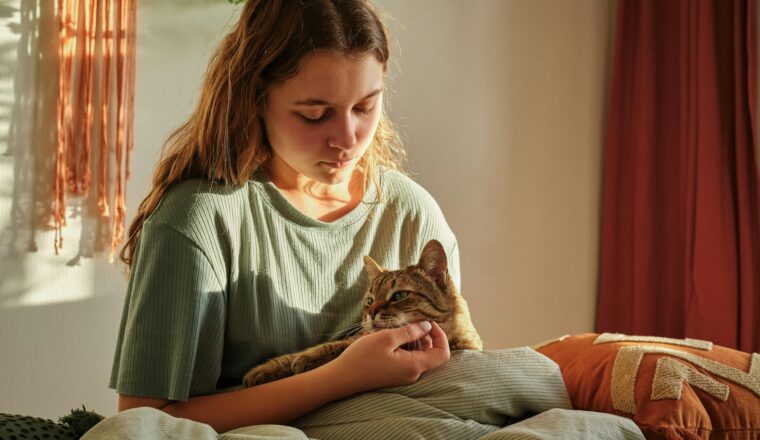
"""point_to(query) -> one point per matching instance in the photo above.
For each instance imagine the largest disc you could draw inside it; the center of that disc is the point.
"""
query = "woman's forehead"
(329, 79)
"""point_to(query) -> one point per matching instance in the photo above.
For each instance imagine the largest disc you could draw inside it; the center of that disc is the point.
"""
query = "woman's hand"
(379, 360)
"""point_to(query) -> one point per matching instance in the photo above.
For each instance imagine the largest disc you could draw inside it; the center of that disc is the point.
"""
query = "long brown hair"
(224, 138)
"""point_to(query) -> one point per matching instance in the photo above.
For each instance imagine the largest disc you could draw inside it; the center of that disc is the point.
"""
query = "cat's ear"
(433, 262)
(373, 269)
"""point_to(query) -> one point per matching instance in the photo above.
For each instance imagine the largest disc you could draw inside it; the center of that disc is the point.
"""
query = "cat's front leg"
(271, 370)
(319, 355)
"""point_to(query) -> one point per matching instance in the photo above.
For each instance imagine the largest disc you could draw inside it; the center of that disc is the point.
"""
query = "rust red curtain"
(680, 244)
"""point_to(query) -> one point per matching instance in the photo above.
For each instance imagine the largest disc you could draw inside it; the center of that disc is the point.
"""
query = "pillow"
(473, 394)
(672, 388)
(13, 426)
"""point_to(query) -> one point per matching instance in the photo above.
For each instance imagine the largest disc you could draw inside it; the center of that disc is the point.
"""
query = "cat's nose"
(373, 309)
(377, 308)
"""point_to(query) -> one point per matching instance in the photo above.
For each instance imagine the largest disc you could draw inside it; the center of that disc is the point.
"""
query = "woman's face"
(321, 121)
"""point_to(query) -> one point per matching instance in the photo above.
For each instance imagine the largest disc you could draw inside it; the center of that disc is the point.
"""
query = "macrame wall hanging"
(95, 108)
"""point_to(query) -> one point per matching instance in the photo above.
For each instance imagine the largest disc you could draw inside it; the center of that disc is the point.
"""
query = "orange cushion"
(672, 388)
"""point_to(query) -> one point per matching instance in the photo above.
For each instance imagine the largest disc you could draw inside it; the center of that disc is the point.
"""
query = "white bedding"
(490, 395)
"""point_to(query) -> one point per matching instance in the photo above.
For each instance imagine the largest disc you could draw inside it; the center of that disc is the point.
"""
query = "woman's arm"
(275, 402)
(373, 361)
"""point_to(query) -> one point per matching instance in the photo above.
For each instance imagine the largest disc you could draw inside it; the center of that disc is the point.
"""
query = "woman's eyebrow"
(313, 101)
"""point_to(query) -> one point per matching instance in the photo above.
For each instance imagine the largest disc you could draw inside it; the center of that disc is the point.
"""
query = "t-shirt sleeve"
(171, 337)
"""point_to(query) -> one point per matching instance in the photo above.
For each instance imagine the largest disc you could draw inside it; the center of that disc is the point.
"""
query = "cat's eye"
(370, 300)
(398, 296)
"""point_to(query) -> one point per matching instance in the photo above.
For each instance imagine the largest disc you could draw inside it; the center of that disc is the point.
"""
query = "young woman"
(250, 243)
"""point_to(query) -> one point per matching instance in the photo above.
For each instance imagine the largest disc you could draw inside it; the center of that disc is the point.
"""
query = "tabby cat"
(421, 292)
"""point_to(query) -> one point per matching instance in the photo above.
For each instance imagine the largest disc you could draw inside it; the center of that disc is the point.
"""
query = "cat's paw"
(264, 373)
(305, 362)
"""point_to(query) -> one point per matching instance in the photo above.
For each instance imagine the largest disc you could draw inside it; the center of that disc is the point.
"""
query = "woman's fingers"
(409, 333)
(440, 340)
(439, 352)
(432, 356)
(424, 344)
(385, 359)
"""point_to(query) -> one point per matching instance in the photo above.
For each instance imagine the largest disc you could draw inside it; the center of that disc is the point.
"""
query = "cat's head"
(420, 292)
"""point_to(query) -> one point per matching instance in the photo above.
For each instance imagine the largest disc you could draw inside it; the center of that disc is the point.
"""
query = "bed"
(588, 386)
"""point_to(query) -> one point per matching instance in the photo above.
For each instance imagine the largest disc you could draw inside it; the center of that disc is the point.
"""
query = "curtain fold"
(680, 243)
(95, 108)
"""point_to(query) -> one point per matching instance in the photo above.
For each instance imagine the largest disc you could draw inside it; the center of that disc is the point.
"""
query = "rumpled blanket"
(511, 394)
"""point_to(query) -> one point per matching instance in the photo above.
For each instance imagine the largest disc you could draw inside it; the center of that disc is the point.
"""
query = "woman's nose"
(344, 134)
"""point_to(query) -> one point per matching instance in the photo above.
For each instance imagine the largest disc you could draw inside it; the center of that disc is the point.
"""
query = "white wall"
(59, 315)
(501, 103)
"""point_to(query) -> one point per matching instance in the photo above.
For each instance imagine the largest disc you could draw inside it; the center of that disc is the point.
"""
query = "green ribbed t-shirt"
(225, 278)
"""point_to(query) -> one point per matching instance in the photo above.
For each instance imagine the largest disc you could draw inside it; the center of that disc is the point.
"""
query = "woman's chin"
(333, 176)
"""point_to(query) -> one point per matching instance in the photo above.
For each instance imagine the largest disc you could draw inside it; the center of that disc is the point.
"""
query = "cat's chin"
(378, 327)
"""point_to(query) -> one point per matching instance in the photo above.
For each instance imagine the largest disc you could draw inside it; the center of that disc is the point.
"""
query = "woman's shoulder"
(401, 191)
(195, 201)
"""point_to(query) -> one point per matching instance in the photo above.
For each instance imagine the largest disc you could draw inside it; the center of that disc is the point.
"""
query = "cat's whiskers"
(348, 331)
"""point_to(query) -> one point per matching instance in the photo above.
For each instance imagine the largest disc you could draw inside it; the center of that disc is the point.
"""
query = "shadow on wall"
(31, 129)
(28, 132)
(167, 79)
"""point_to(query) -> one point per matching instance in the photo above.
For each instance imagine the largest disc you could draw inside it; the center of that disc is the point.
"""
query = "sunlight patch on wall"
(33, 279)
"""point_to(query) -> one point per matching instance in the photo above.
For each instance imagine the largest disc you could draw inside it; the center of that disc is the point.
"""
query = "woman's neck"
(318, 200)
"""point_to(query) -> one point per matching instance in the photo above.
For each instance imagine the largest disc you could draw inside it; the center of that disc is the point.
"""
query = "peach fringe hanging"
(84, 27)
(105, 112)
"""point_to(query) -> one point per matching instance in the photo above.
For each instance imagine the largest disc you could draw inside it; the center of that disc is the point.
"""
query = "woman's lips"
(337, 165)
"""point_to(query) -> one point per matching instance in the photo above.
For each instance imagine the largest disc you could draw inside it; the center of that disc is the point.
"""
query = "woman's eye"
(314, 121)
(398, 296)
(363, 110)
(314, 116)
(370, 300)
